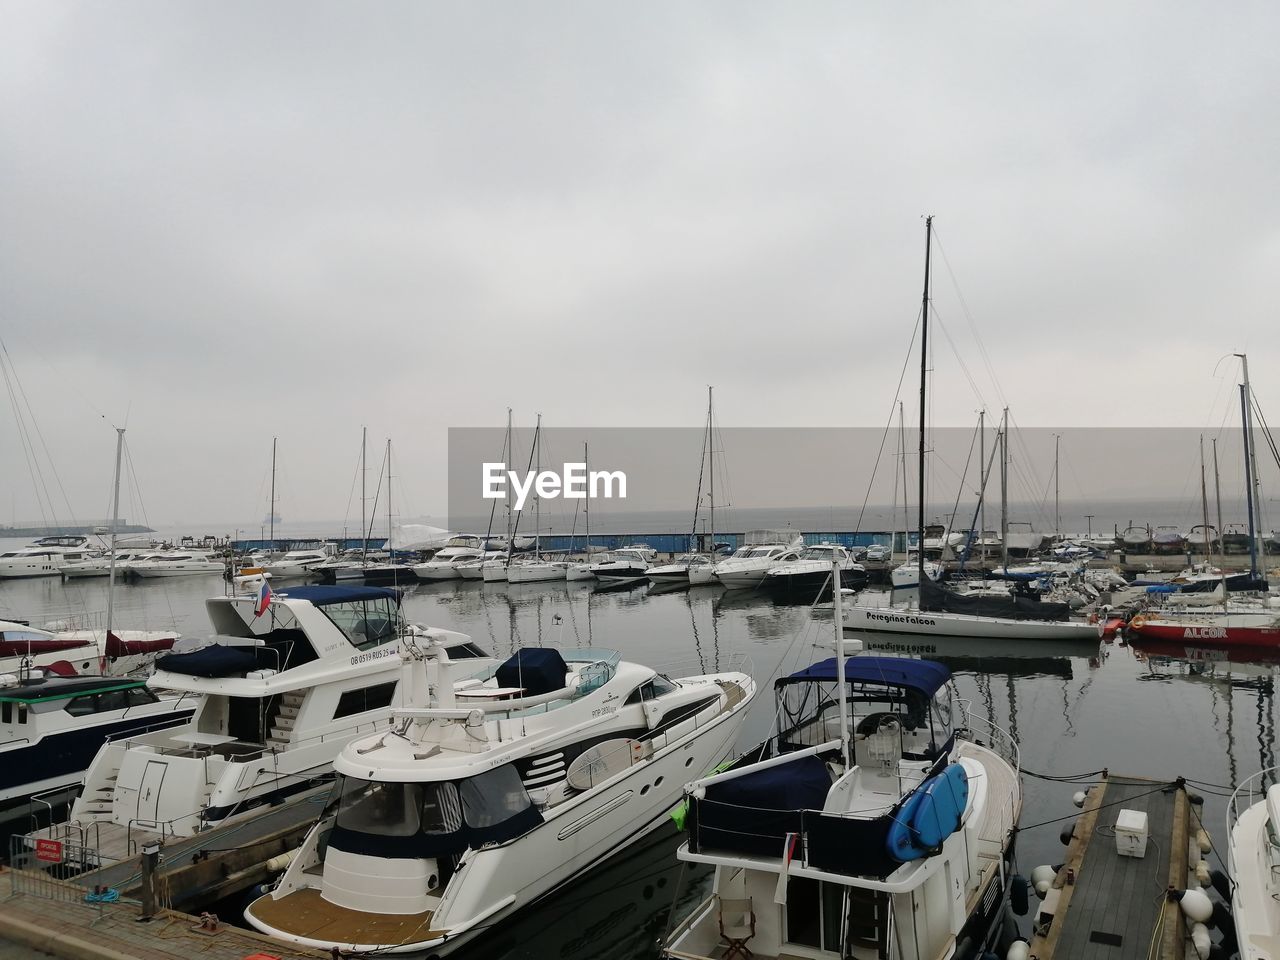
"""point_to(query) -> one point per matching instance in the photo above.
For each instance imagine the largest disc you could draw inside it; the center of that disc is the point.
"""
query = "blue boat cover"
(214, 661)
(320, 595)
(536, 670)
(802, 784)
(926, 676)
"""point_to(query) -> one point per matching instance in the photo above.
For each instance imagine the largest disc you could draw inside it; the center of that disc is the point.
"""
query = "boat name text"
(574, 482)
(902, 618)
(1205, 633)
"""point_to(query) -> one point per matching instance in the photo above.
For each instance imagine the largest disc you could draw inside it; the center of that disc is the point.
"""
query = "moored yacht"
(809, 577)
(877, 822)
(444, 565)
(44, 557)
(179, 563)
(619, 566)
(681, 569)
(79, 651)
(749, 564)
(484, 798)
(536, 571)
(1253, 826)
(52, 726)
(276, 698)
(296, 563)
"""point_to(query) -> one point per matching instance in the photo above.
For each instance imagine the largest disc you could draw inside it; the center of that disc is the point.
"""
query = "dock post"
(150, 860)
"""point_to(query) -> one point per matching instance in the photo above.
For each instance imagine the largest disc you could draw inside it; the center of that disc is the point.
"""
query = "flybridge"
(574, 482)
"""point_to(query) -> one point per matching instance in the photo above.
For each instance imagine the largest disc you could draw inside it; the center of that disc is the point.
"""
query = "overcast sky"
(222, 222)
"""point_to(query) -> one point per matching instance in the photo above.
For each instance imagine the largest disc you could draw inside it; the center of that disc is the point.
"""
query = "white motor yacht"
(536, 571)
(681, 569)
(877, 822)
(52, 726)
(276, 698)
(483, 799)
(444, 565)
(44, 557)
(1253, 852)
(295, 563)
(619, 566)
(748, 565)
(179, 563)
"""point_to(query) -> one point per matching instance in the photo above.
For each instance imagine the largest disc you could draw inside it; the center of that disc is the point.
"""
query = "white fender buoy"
(1018, 950)
(1195, 904)
(1201, 941)
(278, 863)
(1203, 876)
(1043, 872)
(1202, 839)
(1042, 889)
(1079, 797)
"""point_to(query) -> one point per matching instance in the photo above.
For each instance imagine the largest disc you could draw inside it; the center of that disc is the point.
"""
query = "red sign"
(49, 851)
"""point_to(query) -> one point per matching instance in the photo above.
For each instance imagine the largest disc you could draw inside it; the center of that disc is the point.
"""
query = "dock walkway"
(1102, 904)
(58, 922)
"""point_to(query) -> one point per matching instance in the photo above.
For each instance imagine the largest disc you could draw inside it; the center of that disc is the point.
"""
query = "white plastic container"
(1131, 833)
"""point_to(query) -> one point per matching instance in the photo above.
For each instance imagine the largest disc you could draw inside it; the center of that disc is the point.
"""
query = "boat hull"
(915, 622)
(1223, 634)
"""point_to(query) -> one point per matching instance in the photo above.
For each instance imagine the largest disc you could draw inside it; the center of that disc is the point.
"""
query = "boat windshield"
(817, 553)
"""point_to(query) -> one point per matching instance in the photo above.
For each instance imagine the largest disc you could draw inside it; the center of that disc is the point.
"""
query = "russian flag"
(264, 599)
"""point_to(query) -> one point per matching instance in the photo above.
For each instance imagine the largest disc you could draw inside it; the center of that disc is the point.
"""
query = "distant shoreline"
(72, 531)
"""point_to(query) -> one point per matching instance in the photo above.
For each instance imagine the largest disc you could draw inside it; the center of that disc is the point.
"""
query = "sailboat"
(539, 569)
(945, 612)
(696, 567)
(876, 822)
(582, 570)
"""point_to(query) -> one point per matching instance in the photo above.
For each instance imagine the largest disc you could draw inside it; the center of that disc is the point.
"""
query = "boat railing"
(699, 666)
(1249, 793)
(997, 738)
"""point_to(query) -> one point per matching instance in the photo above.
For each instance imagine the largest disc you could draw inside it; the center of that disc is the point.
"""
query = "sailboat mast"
(1255, 527)
(906, 503)
(1004, 490)
(390, 546)
(507, 504)
(364, 519)
(272, 511)
(1217, 489)
(924, 366)
(711, 441)
(838, 616)
(115, 526)
(1248, 479)
(1057, 512)
(982, 480)
(1204, 504)
(537, 500)
(586, 465)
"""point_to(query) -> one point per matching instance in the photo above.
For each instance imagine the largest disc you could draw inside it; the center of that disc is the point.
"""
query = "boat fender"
(1042, 879)
(1203, 841)
(278, 863)
(1019, 894)
(1221, 883)
(1018, 950)
(1195, 904)
(1202, 873)
(1068, 831)
(1079, 797)
(1201, 941)
(1137, 623)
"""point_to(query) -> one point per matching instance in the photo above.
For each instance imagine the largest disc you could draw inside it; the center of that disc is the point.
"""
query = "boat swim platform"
(217, 862)
(305, 914)
(59, 923)
(1105, 905)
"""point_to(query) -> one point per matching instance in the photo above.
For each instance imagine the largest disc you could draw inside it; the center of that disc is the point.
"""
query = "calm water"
(1074, 708)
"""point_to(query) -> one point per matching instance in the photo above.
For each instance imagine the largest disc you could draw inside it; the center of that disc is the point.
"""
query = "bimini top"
(927, 676)
(321, 595)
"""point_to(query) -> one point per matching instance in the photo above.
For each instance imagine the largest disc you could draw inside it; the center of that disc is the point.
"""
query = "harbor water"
(1074, 708)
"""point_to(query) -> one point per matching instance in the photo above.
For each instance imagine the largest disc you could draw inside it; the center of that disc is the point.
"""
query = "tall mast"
(902, 455)
(1004, 490)
(924, 365)
(838, 611)
(272, 512)
(1248, 478)
(982, 480)
(586, 465)
(390, 546)
(1204, 505)
(507, 503)
(711, 440)
(537, 500)
(1217, 488)
(115, 526)
(1251, 453)
(1057, 481)
(364, 520)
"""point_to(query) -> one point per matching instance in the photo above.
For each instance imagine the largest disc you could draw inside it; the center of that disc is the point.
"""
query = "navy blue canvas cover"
(213, 661)
(927, 676)
(537, 671)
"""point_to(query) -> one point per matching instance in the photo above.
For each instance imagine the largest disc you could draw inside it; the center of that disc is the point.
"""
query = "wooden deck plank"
(1114, 896)
(305, 913)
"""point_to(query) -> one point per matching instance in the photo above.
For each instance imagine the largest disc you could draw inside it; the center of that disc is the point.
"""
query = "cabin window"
(89, 703)
(6, 712)
(140, 696)
(381, 809)
(366, 698)
(493, 797)
(651, 689)
(366, 623)
(466, 651)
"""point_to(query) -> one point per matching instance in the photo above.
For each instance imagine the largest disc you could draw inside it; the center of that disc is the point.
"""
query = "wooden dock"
(51, 917)
(1102, 904)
